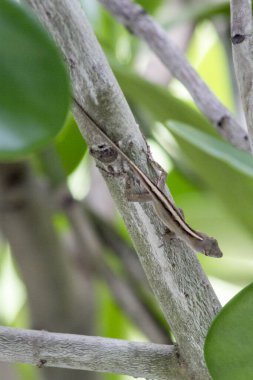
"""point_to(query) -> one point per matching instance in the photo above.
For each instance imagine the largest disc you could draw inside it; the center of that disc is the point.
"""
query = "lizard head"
(211, 247)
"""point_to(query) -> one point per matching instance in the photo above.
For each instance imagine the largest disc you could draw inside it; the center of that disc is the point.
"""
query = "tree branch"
(182, 289)
(46, 349)
(242, 43)
(52, 284)
(138, 22)
(87, 252)
(120, 290)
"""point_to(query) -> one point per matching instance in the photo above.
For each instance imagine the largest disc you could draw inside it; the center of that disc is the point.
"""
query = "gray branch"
(174, 273)
(52, 284)
(242, 42)
(138, 22)
(44, 349)
(121, 290)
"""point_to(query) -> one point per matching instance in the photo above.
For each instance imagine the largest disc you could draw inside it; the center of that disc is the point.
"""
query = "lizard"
(165, 209)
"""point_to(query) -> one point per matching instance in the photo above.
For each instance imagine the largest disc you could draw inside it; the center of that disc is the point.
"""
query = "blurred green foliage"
(199, 12)
(157, 101)
(208, 178)
(226, 170)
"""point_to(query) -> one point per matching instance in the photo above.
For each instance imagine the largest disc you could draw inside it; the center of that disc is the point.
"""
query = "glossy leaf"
(70, 145)
(35, 92)
(229, 343)
(224, 168)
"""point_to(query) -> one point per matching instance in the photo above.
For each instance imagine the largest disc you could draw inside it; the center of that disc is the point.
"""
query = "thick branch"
(138, 22)
(183, 291)
(242, 42)
(42, 348)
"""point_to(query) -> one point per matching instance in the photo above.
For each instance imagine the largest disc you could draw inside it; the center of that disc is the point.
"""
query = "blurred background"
(66, 261)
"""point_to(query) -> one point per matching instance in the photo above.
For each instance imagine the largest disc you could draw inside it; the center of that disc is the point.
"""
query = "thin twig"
(45, 349)
(139, 23)
(242, 43)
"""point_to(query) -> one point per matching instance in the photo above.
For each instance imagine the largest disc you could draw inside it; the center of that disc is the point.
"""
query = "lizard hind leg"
(132, 194)
(168, 234)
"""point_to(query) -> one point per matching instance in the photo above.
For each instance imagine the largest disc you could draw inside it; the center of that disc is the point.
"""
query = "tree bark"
(242, 43)
(44, 349)
(138, 22)
(183, 291)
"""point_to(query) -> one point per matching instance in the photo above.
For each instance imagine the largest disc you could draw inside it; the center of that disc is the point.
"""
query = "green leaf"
(35, 91)
(229, 343)
(157, 100)
(70, 145)
(224, 168)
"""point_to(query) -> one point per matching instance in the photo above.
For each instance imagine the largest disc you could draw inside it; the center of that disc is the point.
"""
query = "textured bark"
(41, 348)
(242, 43)
(183, 291)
